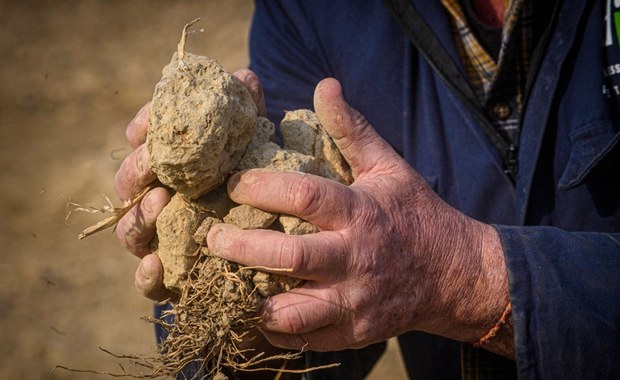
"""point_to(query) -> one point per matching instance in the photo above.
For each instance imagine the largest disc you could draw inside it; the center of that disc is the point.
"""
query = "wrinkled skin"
(391, 256)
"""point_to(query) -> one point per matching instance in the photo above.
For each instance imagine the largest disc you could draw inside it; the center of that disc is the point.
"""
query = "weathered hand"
(391, 255)
(136, 229)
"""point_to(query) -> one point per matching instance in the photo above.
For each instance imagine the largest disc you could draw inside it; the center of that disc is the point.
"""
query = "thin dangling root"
(117, 212)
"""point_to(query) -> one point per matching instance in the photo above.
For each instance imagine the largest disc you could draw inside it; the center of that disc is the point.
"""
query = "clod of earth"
(200, 122)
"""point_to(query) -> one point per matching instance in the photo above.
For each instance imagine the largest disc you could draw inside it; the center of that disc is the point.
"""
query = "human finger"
(309, 257)
(326, 204)
(304, 309)
(137, 228)
(134, 174)
(250, 81)
(149, 279)
(136, 130)
(359, 143)
(315, 318)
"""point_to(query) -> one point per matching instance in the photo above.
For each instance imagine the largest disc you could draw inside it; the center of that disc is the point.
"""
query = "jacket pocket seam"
(575, 171)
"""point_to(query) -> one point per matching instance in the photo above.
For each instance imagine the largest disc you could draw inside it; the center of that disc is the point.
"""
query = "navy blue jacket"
(558, 222)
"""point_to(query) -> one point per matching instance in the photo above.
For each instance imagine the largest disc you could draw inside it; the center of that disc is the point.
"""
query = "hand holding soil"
(390, 256)
(202, 126)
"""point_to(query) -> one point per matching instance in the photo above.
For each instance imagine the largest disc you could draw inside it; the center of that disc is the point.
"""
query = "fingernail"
(148, 203)
(214, 238)
(218, 239)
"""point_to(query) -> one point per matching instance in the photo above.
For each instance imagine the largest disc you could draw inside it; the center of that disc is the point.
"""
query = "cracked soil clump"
(200, 122)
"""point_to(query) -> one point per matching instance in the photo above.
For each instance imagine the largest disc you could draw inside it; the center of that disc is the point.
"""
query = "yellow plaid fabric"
(481, 67)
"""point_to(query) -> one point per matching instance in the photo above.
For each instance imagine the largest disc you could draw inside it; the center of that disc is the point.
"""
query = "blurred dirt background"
(72, 76)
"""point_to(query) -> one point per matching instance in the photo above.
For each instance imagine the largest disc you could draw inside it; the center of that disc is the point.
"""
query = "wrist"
(489, 296)
(470, 290)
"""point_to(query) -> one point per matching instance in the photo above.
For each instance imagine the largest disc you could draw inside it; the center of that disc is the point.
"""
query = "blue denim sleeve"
(565, 294)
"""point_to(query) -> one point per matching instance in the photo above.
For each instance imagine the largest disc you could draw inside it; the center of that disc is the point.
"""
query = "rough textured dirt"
(73, 75)
(202, 120)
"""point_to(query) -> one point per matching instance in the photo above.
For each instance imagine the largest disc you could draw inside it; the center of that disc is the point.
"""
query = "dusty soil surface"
(73, 74)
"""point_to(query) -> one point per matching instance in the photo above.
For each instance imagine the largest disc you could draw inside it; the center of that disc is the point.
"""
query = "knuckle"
(153, 204)
(129, 242)
(141, 168)
(132, 235)
(122, 238)
(359, 120)
(293, 254)
(294, 322)
(134, 173)
(142, 163)
(307, 196)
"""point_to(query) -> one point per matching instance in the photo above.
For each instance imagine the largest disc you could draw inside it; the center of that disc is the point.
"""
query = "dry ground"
(73, 74)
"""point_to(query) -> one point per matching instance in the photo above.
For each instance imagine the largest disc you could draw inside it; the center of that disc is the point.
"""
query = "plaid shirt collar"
(482, 69)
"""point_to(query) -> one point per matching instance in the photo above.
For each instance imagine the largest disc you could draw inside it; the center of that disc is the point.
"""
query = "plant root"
(212, 321)
(117, 212)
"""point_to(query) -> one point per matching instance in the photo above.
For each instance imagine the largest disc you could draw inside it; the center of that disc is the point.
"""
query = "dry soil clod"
(177, 249)
(302, 131)
(199, 125)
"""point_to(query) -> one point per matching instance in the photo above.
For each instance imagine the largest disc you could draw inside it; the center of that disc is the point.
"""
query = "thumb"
(359, 143)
